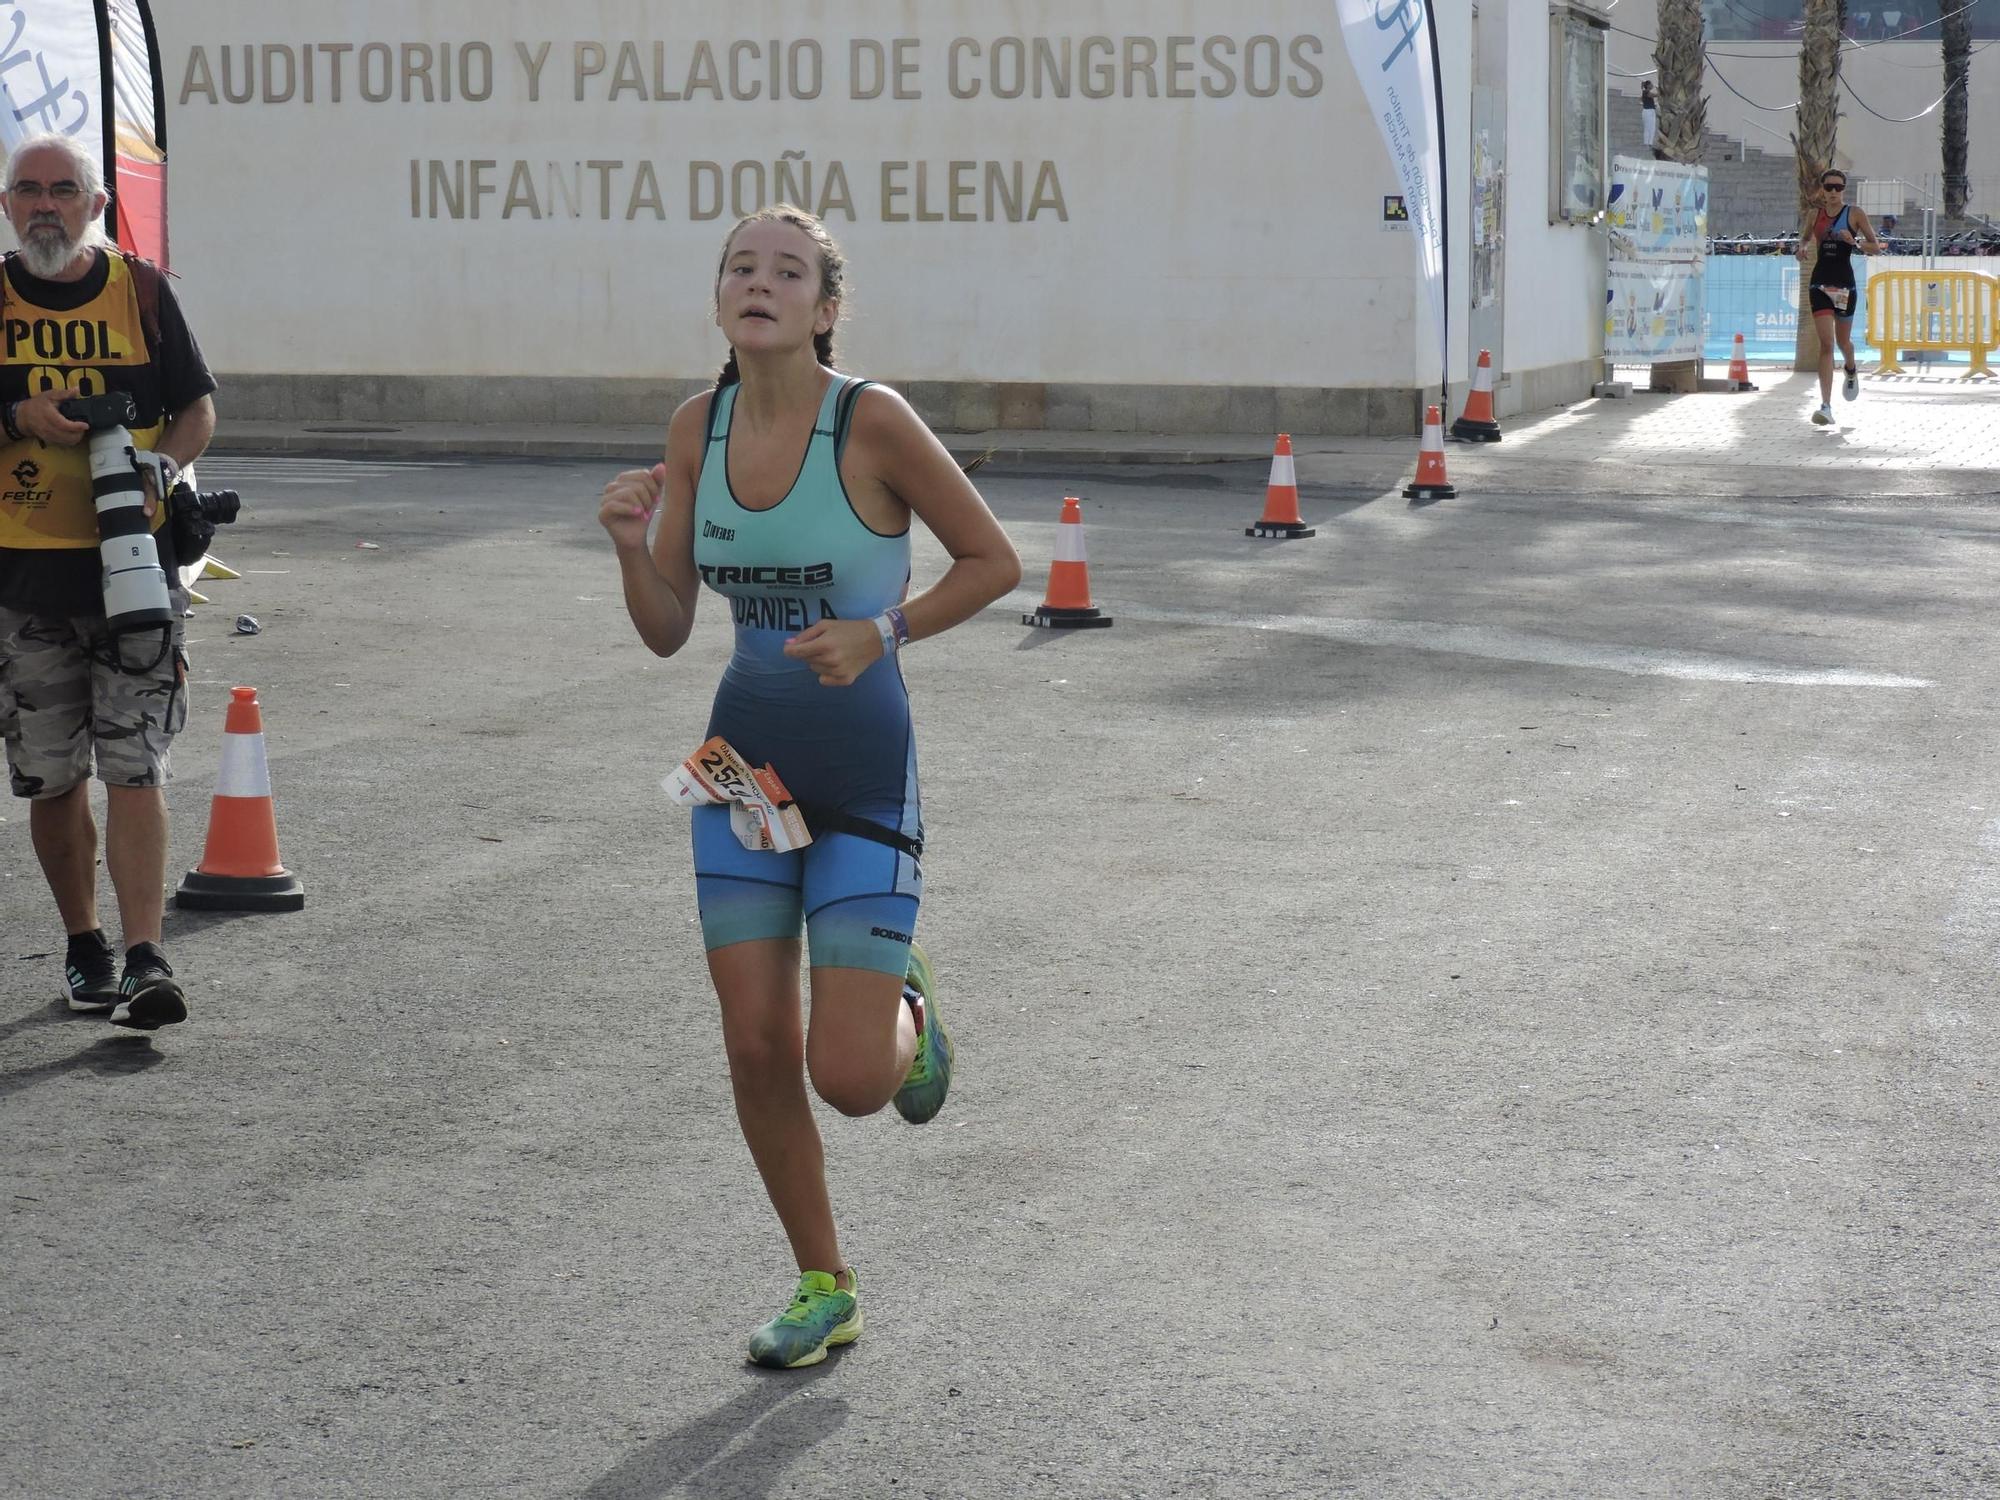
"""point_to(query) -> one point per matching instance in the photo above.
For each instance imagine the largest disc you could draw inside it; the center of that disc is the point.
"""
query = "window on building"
(1576, 110)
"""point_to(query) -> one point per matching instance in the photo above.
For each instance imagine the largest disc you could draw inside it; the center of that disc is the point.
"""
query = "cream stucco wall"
(1206, 224)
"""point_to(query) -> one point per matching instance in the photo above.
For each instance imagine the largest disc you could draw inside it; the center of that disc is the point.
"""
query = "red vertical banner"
(139, 145)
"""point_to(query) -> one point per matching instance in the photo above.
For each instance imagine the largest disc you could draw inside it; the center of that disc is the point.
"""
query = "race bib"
(762, 814)
(1838, 296)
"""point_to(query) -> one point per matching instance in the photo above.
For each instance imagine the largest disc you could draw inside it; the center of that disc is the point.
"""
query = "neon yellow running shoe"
(821, 1316)
(929, 1080)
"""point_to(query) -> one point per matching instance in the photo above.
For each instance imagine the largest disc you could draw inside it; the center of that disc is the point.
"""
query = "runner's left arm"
(911, 461)
(905, 455)
(1864, 233)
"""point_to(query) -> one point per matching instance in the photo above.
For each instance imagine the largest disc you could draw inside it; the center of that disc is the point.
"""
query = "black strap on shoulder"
(146, 281)
(843, 414)
(831, 820)
(714, 408)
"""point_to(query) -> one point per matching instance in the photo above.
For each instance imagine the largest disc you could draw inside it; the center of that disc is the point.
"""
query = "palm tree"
(1813, 141)
(1683, 119)
(1678, 56)
(1957, 81)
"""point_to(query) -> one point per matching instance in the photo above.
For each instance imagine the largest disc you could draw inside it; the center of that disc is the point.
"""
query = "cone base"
(1430, 492)
(1281, 531)
(281, 892)
(1467, 430)
(1741, 385)
(1053, 617)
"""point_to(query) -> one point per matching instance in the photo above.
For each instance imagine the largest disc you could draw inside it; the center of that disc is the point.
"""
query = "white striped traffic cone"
(1477, 423)
(1066, 605)
(1281, 498)
(1430, 483)
(239, 869)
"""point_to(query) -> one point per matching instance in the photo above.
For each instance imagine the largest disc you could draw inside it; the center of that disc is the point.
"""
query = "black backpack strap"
(843, 414)
(146, 280)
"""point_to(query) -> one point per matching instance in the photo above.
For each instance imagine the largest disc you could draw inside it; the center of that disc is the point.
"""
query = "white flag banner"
(51, 70)
(1392, 47)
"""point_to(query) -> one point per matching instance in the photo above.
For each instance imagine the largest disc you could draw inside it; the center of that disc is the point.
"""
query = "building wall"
(1555, 283)
(536, 236)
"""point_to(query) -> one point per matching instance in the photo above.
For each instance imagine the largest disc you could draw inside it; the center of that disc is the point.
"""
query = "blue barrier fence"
(1758, 297)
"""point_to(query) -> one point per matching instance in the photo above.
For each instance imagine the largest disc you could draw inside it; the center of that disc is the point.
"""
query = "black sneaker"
(90, 972)
(149, 995)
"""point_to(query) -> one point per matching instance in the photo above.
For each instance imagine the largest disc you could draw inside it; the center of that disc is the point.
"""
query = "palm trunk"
(1683, 121)
(1678, 56)
(1813, 141)
(1957, 83)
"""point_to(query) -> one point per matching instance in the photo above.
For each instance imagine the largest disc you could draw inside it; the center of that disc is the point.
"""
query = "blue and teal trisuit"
(847, 754)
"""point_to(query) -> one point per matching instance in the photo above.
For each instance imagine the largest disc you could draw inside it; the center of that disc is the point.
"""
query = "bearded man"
(76, 319)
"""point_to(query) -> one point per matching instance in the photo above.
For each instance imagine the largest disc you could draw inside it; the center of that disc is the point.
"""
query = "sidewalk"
(1906, 434)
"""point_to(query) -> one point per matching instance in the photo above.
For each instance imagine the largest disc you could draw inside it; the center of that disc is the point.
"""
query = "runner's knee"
(852, 1085)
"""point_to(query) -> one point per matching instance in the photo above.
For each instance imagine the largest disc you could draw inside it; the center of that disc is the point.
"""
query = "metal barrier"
(1933, 310)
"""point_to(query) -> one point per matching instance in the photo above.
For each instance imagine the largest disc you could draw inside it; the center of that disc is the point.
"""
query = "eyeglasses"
(32, 192)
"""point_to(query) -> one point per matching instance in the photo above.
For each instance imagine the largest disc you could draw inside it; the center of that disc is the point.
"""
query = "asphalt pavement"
(1491, 1000)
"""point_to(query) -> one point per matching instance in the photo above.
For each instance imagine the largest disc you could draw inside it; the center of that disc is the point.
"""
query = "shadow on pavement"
(52, 1014)
(738, 1450)
(109, 1058)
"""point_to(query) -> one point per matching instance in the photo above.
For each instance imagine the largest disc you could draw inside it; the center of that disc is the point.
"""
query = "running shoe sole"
(159, 1004)
(1822, 419)
(89, 1000)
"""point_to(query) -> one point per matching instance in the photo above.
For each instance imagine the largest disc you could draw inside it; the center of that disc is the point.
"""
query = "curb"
(409, 444)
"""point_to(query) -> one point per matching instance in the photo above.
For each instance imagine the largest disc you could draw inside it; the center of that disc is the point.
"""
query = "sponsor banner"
(1652, 311)
(1658, 210)
(1392, 47)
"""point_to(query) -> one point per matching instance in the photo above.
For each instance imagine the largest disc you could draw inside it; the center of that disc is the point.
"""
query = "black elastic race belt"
(832, 820)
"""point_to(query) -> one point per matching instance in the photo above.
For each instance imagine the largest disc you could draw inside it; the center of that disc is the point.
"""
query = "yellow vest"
(45, 491)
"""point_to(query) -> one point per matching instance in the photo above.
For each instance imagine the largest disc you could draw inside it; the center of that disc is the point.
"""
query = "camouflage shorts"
(59, 705)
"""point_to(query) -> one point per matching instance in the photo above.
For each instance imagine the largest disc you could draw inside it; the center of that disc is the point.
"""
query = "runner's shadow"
(736, 1452)
(52, 1014)
(111, 1057)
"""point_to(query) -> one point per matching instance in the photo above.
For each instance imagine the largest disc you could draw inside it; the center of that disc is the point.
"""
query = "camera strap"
(109, 650)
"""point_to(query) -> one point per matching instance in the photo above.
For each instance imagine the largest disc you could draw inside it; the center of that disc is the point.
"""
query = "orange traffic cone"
(1739, 369)
(1067, 606)
(1430, 483)
(1281, 498)
(239, 869)
(1476, 424)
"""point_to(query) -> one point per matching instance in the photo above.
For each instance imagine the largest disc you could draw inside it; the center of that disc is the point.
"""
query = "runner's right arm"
(661, 588)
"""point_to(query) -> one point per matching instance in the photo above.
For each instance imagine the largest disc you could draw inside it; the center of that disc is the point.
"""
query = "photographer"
(78, 318)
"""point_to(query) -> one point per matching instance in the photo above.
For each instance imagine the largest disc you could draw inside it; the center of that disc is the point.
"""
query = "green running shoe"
(821, 1315)
(929, 1080)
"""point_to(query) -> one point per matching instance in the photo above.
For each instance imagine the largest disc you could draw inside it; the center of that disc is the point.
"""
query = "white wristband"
(887, 630)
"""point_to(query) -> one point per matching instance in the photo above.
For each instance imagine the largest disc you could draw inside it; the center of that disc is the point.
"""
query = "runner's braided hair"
(832, 274)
